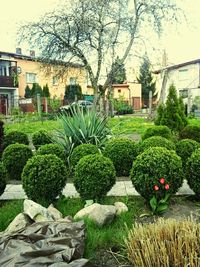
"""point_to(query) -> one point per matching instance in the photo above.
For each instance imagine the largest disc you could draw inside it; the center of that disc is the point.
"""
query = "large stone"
(120, 207)
(36, 212)
(56, 214)
(101, 214)
(20, 222)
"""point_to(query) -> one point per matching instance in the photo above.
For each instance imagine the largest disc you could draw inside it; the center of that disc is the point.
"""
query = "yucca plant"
(164, 243)
(82, 127)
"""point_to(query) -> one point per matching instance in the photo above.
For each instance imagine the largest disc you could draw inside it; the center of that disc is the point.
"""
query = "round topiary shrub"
(14, 159)
(193, 172)
(152, 165)
(2, 178)
(40, 138)
(122, 152)
(185, 148)
(54, 149)
(94, 176)
(43, 178)
(81, 151)
(190, 132)
(160, 130)
(156, 141)
(13, 137)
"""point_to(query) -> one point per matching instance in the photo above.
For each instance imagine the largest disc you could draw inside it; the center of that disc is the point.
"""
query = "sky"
(181, 42)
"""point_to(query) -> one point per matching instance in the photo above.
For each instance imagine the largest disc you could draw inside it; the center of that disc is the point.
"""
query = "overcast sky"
(181, 42)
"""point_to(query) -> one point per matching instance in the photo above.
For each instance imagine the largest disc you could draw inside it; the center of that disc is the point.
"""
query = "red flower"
(162, 180)
(156, 188)
(166, 186)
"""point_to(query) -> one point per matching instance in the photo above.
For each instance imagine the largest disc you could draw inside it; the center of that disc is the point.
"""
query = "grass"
(105, 237)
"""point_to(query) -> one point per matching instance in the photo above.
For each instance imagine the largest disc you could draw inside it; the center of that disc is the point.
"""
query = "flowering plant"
(159, 201)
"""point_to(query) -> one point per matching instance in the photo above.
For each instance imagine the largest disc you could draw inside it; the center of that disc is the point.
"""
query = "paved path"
(121, 188)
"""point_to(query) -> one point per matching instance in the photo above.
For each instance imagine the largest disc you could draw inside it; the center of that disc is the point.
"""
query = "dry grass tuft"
(166, 243)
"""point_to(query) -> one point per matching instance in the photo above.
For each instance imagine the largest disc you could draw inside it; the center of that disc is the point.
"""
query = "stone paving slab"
(121, 188)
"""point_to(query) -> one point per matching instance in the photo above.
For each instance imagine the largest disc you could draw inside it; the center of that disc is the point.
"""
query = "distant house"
(18, 70)
(185, 77)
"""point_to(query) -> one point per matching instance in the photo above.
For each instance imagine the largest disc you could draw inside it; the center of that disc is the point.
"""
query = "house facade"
(185, 77)
(17, 71)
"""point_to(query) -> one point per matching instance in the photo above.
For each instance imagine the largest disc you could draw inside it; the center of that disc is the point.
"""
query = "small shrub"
(122, 152)
(40, 138)
(191, 132)
(14, 159)
(156, 141)
(43, 178)
(94, 176)
(54, 149)
(2, 178)
(13, 137)
(81, 151)
(193, 172)
(163, 131)
(185, 148)
(1, 136)
(164, 243)
(153, 164)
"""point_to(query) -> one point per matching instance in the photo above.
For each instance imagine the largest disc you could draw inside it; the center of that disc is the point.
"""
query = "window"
(55, 80)
(119, 90)
(183, 74)
(31, 77)
(72, 80)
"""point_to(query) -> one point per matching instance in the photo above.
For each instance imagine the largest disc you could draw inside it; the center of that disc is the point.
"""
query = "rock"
(120, 207)
(36, 212)
(66, 219)
(101, 214)
(20, 222)
(56, 214)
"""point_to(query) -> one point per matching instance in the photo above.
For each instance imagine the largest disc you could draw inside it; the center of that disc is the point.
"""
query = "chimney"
(18, 50)
(32, 53)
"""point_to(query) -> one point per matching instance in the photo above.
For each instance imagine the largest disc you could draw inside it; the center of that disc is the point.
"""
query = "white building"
(185, 77)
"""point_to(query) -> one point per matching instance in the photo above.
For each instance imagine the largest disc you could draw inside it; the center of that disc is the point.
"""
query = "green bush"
(156, 141)
(14, 159)
(153, 164)
(94, 176)
(13, 137)
(43, 178)
(2, 178)
(81, 151)
(40, 138)
(185, 148)
(163, 131)
(193, 172)
(190, 132)
(54, 149)
(122, 152)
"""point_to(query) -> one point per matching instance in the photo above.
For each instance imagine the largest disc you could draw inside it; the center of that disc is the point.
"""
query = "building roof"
(38, 59)
(178, 66)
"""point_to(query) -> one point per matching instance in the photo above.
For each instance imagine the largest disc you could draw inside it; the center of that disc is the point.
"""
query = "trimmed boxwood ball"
(81, 151)
(190, 132)
(54, 149)
(156, 141)
(193, 172)
(185, 148)
(13, 137)
(94, 176)
(14, 159)
(43, 178)
(40, 138)
(159, 130)
(122, 152)
(153, 164)
(2, 178)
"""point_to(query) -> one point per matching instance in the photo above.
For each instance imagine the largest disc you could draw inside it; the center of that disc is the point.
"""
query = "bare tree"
(96, 32)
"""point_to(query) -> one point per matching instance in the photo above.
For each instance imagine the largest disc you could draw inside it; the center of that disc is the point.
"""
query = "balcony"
(8, 81)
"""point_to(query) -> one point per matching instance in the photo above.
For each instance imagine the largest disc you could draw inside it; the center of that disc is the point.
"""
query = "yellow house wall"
(134, 90)
(45, 76)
